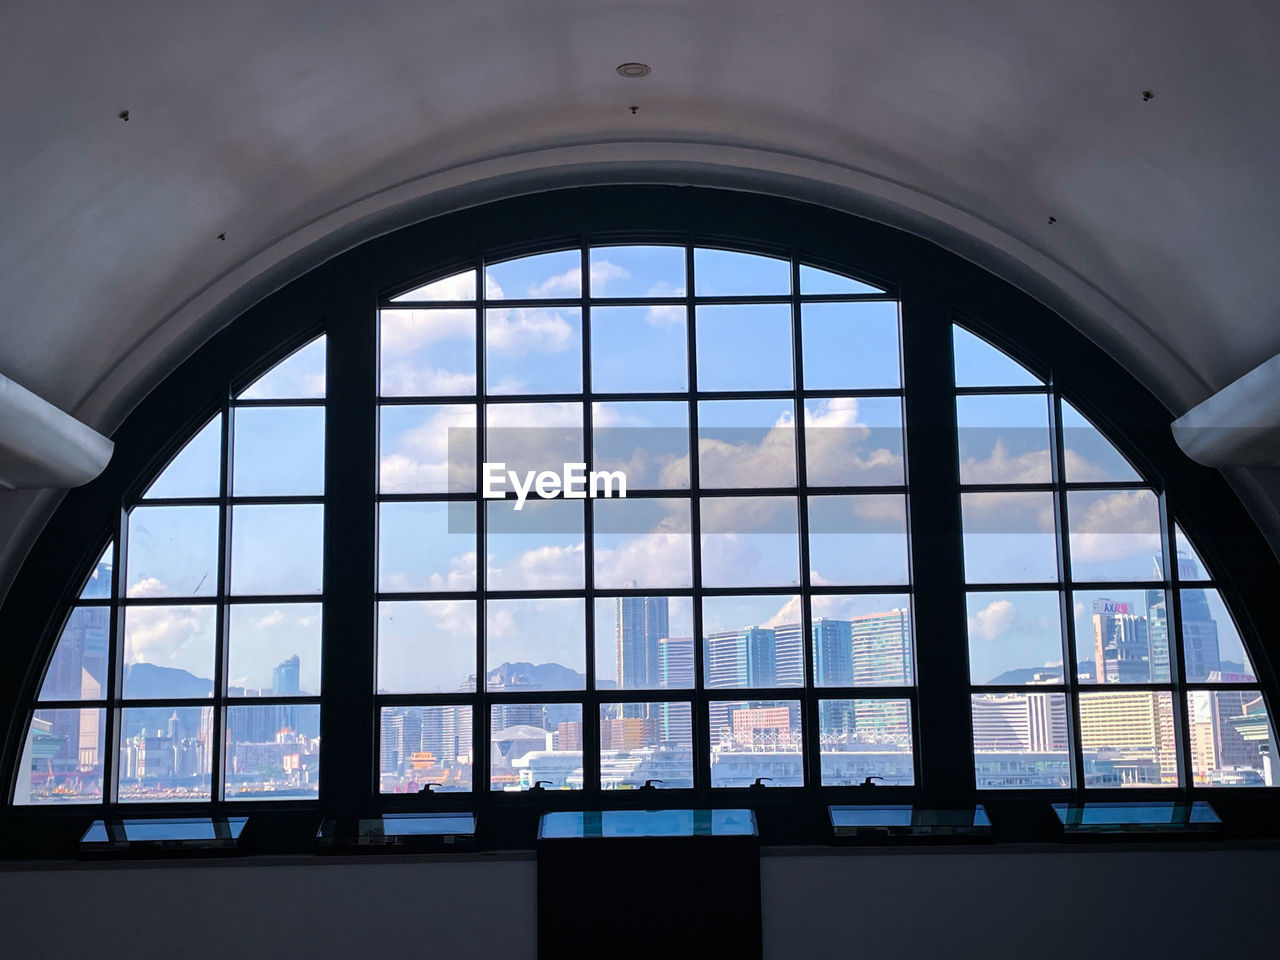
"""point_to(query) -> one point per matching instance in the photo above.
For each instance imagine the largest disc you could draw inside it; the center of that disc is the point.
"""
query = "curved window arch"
(871, 530)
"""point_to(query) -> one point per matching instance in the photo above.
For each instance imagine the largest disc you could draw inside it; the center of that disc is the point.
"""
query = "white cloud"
(529, 330)
(403, 331)
(179, 637)
(271, 619)
(148, 587)
(547, 567)
(1114, 527)
(993, 620)
(419, 460)
(1031, 466)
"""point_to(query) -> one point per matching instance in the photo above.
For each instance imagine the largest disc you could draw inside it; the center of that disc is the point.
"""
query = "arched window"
(869, 530)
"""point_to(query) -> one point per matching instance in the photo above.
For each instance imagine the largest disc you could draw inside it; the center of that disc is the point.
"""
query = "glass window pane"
(862, 640)
(637, 272)
(532, 436)
(196, 469)
(1004, 439)
(1015, 637)
(640, 742)
(277, 549)
(1020, 741)
(535, 644)
(639, 349)
(1190, 566)
(273, 649)
(533, 350)
(278, 451)
(814, 282)
(1232, 739)
(643, 543)
(1090, 456)
(169, 651)
(459, 286)
(1122, 636)
(979, 364)
(851, 345)
(426, 646)
(866, 738)
(97, 585)
(756, 738)
(1128, 739)
(273, 752)
(427, 449)
(542, 276)
(426, 546)
(723, 273)
(858, 540)
(535, 743)
(61, 758)
(744, 347)
(1009, 537)
(299, 376)
(853, 441)
(166, 754)
(540, 546)
(746, 443)
(750, 542)
(421, 745)
(424, 353)
(78, 670)
(1115, 535)
(752, 642)
(173, 552)
(644, 643)
(648, 441)
(1211, 646)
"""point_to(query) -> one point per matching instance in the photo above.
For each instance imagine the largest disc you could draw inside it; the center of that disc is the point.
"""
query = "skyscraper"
(881, 656)
(1121, 652)
(640, 623)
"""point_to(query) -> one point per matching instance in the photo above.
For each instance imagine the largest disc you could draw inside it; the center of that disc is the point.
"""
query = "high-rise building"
(1133, 726)
(675, 663)
(1019, 723)
(1121, 652)
(285, 679)
(746, 657)
(640, 622)
(881, 656)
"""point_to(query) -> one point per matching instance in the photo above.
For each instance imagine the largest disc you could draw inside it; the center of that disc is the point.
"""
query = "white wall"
(940, 904)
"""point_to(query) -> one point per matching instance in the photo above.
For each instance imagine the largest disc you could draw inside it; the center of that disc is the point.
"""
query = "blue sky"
(857, 540)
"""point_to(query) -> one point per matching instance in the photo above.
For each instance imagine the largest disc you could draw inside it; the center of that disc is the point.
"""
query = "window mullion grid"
(111, 735)
(480, 717)
(1177, 660)
(1066, 596)
(700, 722)
(591, 736)
(810, 729)
(217, 759)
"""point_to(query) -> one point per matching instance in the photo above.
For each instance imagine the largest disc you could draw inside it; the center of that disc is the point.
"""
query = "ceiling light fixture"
(634, 71)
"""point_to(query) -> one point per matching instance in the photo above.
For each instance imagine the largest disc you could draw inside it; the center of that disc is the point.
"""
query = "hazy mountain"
(533, 677)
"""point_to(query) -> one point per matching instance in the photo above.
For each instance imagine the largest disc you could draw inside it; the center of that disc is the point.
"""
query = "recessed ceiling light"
(634, 71)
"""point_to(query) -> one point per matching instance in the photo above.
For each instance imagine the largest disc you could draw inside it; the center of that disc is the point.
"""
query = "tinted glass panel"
(1004, 439)
(273, 752)
(427, 449)
(1128, 739)
(426, 546)
(637, 272)
(744, 347)
(751, 739)
(173, 552)
(300, 376)
(273, 649)
(750, 541)
(1009, 537)
(643, 543)
(426, 353)
(746, 443)
(752, 642)
(648, 441)
(459, 286)
(277, 549)
(1114, 535)
(540, 546)
(978, 364)
(723, 273)
(533, 350)
(1122, 636)
(426, 646)
(1089, 455)
(540, 277)
(78, 670)
(165, 754)
(644, 643)
(862, 640)
(1020, 741)
(814, 281)
(169, 651)
(196, 470)
(425, 745)
(866, 738)
(278, 451)
(639, 349)
(1232, 739)
(535, 644)
(1211, 646)
(1015, 637)
(851, 345)
(535, 744)
(61, 758)
(646, 743)
(858, 540)
(97, 585)
(853, 441)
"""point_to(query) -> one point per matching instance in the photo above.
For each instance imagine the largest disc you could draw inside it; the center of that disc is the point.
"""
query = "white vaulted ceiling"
(299, 128)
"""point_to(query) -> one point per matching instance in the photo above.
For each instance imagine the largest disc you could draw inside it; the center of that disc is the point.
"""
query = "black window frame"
(340, 299)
